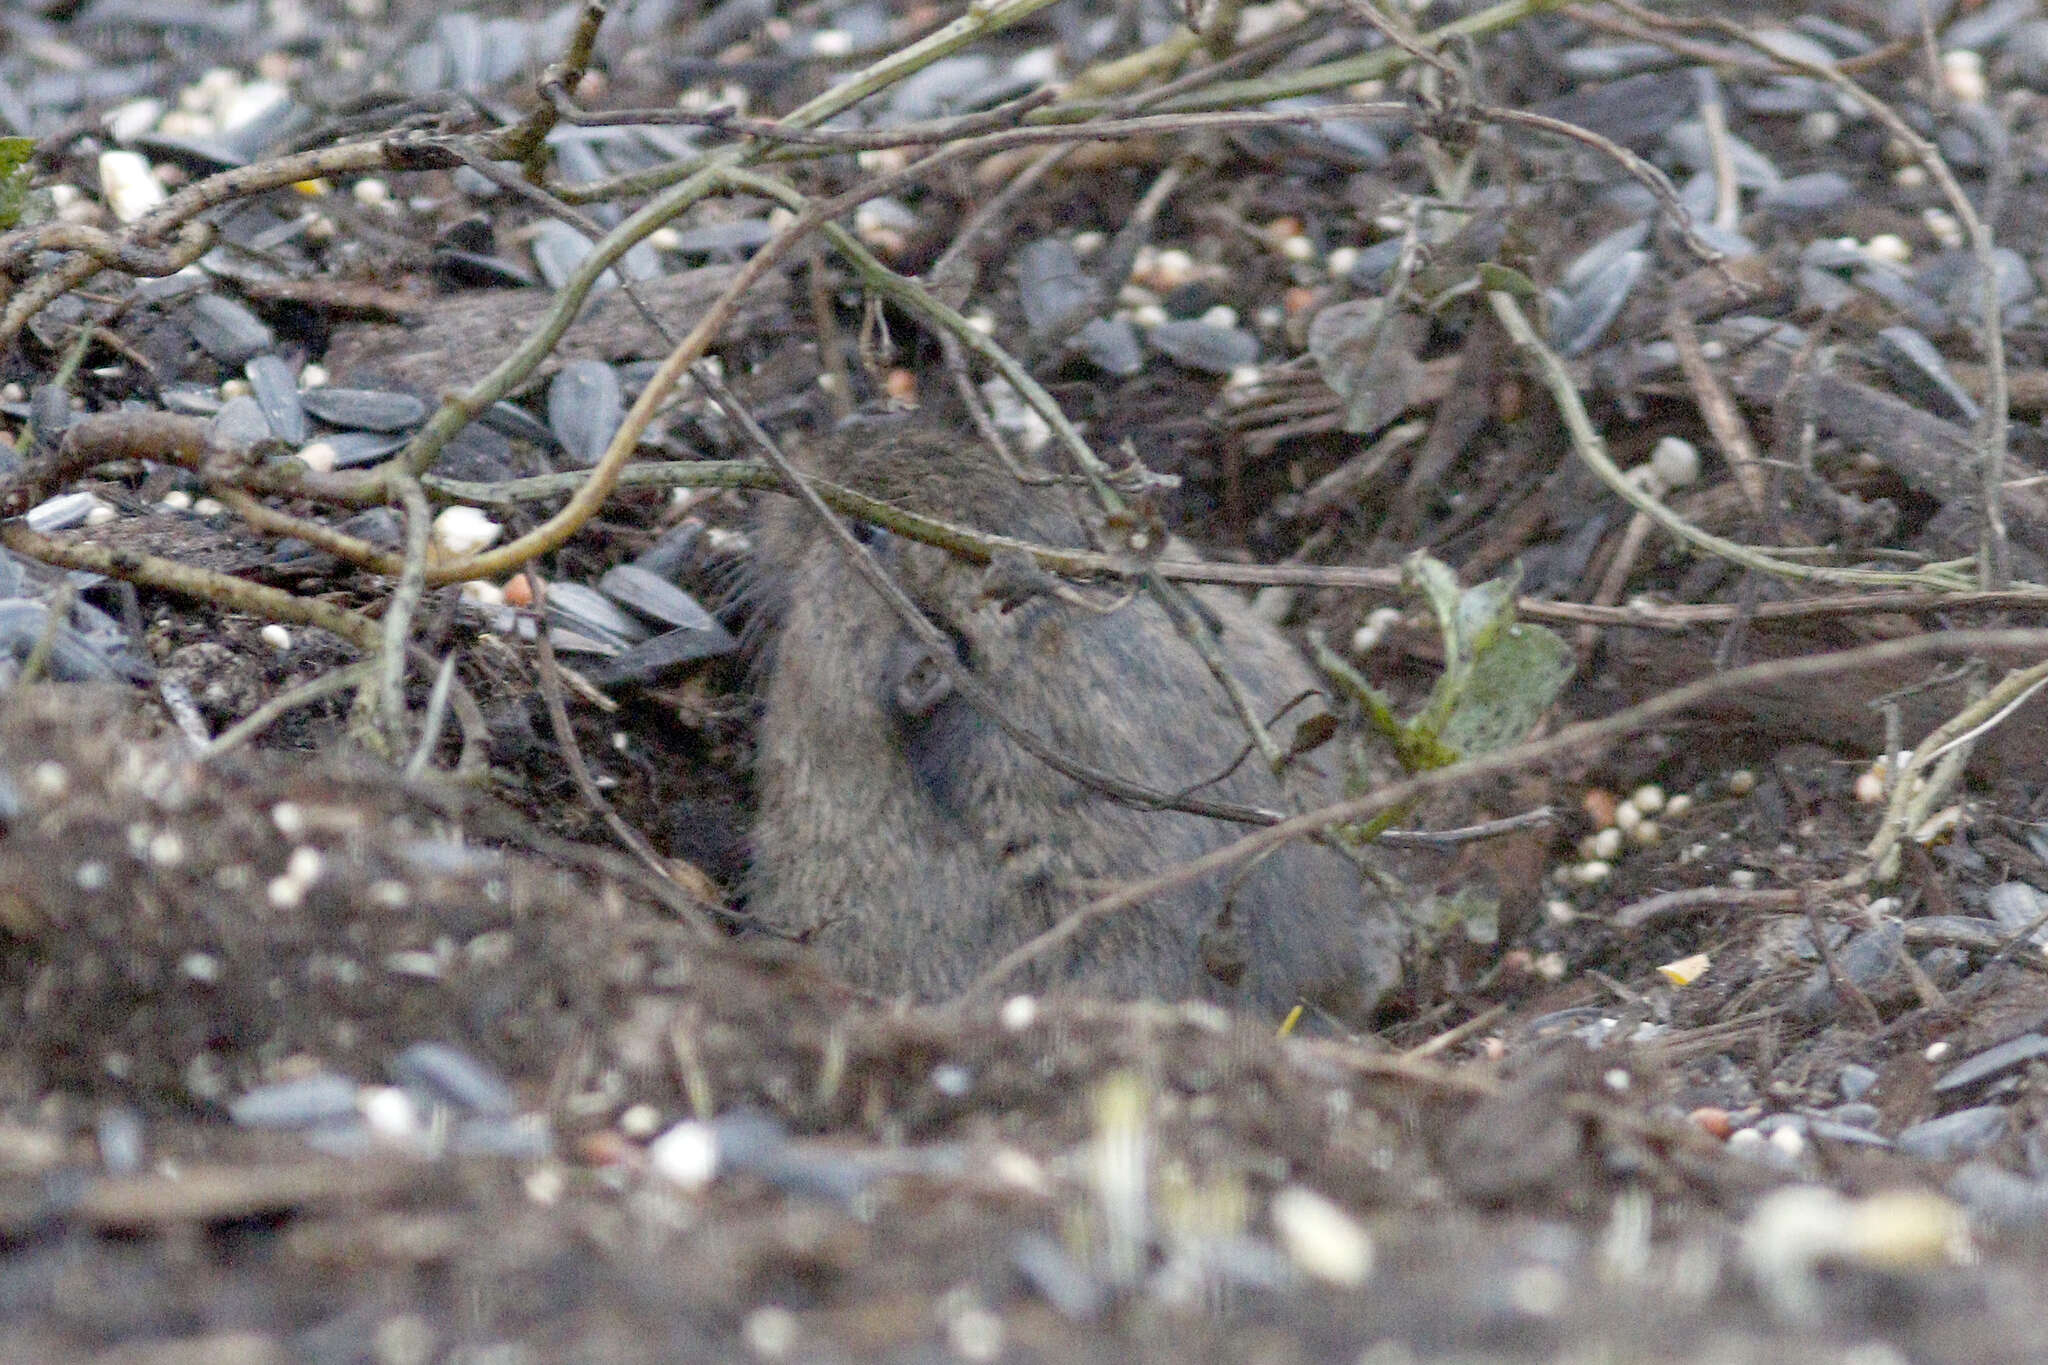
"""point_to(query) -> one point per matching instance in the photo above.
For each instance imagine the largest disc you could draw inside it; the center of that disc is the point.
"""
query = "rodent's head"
(943, 472)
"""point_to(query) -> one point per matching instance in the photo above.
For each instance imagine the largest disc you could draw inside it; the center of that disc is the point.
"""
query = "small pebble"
(101, 515)
(1678, 806)
(1297, 248)
(276, 636)
(391, 1114)
(461, 531)
(770, 1332)
(1713, 1120)
(1676, 462)
(639, 1121)
(1820, 128)
(1592, 872)
(1606, 845)
(1171, 269)
(207, 507)
(1962, 75)
(1322, 1238)
(130, 187)
(1943, 227)
(1741, 782)
(1378, 622)
(1888, 247)
(318, 456)
(371, 192)
(1342, 262)
(1648, 798)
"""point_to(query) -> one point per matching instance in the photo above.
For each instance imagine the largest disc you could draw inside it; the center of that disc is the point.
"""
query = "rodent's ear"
(914, 680)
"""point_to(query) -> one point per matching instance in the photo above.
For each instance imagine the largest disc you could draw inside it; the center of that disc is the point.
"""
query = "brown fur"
(912, 843)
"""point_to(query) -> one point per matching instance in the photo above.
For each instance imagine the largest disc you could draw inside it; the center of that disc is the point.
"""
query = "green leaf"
(1512, 683)
(14, 178)
(1368, 357)
(1501, 279)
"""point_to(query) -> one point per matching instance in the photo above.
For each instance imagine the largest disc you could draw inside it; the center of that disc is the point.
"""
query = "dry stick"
(1671, 904)
(1947, 747)
(430, 726)
(473, 759)
(1467, 834)
(112, 252)
(1316, 80)
(1706, 55)
(729, 120)
(980, 545)
(1571, 739)
(523, 142)
(572, 752)
(167, 575)
(1639, 170)
(262, 516)
(941, 647)
(1615, 579)
(270, 712)
(1450, 1038)
(1718, 409)
(398, 613)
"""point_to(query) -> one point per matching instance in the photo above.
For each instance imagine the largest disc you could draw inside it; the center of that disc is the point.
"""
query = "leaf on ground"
(1369, 358)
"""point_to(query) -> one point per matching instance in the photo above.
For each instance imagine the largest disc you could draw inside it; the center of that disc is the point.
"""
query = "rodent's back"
(912, 843)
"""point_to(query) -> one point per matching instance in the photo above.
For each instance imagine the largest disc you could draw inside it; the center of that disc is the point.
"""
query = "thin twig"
(398, 611)
(205, 585)
(358, 674)
(572, 752)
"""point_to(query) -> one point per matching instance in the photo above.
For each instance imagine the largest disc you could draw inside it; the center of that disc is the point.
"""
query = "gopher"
(912, 843)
